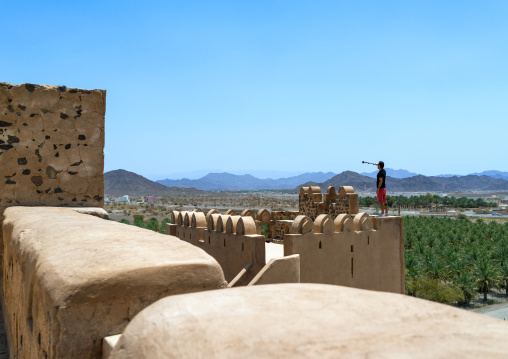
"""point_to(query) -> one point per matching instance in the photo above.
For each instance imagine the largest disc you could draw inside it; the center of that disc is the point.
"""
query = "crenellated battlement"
(312, 202)
(233, 240)
(366, 252)
(355, 251)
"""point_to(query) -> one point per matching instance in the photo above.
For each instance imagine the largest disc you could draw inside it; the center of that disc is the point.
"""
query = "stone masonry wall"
(279, 228)
(284, 215)
(312, 202)
(51, 146)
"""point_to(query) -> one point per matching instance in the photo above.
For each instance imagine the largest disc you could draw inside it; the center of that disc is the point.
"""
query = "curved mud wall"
(70, 279)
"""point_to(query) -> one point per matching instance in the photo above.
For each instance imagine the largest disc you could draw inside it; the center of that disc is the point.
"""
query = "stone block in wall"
(71, 279)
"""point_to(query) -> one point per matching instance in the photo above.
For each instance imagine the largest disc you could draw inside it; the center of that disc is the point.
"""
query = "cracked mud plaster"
(51, 146)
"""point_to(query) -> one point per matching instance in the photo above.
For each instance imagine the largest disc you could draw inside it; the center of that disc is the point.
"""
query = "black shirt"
(381, 174)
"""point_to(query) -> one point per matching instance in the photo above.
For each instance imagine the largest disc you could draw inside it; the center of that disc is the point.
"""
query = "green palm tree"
(455, 266)
(466, 283)
(501, 253)
(486, 274)
(504, 276)
(435, 269)
(412, 265)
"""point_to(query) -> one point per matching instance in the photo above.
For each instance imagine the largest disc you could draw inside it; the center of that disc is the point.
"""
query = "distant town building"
(149, 199)
(124, 199)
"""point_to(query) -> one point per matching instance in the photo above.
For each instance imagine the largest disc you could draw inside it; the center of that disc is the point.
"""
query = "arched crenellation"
(312, 203)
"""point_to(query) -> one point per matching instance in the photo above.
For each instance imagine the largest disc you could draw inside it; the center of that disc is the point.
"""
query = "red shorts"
(381, 195)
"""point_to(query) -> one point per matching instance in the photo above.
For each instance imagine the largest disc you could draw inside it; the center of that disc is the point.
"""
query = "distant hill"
(405, 174)
(449, 184)
(122, 182)
(418, 183)
(447, 175)
(493, 174)
(291, 182)
(350, 178)
(391, 173)
(230, 182)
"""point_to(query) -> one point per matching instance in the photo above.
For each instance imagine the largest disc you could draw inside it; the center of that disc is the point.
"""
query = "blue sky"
(277, 87)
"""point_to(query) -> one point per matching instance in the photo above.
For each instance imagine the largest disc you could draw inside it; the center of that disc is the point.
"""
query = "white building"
(124, 199)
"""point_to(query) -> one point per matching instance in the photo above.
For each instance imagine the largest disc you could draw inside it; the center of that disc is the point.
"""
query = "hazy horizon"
(261, 174)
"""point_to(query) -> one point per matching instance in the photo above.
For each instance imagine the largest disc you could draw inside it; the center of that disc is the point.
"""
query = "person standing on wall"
(381, 189)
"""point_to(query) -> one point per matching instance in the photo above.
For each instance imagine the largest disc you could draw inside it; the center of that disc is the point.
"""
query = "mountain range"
(392, 173)
(230, 182)
(417, 183)
(121, 182)
(493, 174)
(405, 174)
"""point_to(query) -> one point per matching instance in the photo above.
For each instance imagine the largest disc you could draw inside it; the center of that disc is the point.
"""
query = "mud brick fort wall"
(233, 240)
(313, 203)
(354, 251)
(339, 246)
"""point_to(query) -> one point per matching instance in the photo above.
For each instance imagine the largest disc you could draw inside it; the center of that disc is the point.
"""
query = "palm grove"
(450, 260)
(427, 201)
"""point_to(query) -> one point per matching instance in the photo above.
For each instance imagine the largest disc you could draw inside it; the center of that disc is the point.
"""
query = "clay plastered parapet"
(360, 251)
(308, 321)
(70, 279)
(51, 145)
